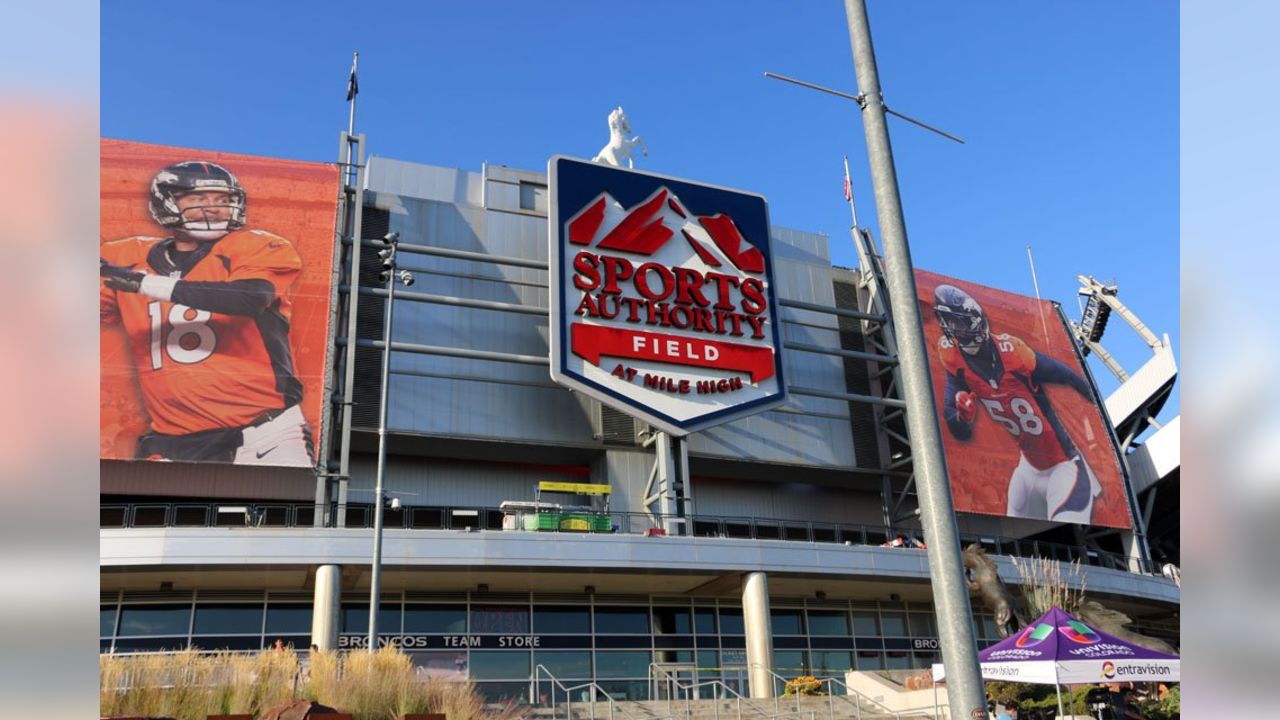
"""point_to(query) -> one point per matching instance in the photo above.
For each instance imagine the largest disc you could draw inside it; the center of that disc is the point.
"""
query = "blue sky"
(1069, 110)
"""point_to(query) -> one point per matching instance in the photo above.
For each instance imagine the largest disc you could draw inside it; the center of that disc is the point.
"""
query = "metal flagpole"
(848, 193)
(950, 591)
(1035, 282)
(375, 575)
(353, 89)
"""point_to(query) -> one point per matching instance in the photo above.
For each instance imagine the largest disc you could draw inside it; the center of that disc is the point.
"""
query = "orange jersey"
(1011, 398)
(199, 369)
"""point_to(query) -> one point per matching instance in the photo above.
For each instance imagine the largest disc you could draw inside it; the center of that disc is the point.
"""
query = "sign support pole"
(950, 591)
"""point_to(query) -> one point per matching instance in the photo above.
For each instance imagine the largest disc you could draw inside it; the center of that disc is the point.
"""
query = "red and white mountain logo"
(664, 312)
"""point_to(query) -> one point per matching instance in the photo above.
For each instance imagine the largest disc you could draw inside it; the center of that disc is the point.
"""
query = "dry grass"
(385, 685)
(371, 686)
(189, 685)
(1045, 585)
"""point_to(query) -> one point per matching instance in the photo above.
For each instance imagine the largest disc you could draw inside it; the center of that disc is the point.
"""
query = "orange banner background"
(980, 467)
(296, 200)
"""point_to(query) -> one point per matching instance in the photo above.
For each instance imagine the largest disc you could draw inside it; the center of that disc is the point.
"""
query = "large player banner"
(1022, 424)
(214, 304)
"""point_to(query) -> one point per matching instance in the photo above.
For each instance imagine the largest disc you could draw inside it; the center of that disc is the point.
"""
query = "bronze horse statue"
(984, 580)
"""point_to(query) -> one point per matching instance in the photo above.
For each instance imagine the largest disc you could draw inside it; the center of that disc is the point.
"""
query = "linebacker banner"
(1023, 426)
(662, 298)
(215, 279)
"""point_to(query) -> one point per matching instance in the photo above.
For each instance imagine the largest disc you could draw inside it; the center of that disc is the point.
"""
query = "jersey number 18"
(188, 339)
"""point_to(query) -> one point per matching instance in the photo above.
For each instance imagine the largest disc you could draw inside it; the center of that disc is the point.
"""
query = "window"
(155, 620)
(894, 624)
(790, 663)
(870, 660)
(355, 618)
(442, 619)
(787, 622)
(286, 619)
(704, 621)
(448, 665)
(562, 620)
(500, 619)
(898, 661)
(731, 621)
(106, 621)
(565, 663)
(828, 622)
(500, 665)
(671, 621)
(624, 663)
(708, 663)
(622, 620)
(533, 196)
(832, 663)
(922, 625)
(228, 620)
(866, 623)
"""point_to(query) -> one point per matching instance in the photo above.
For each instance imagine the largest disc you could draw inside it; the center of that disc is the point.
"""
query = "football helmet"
(196, 176)
(961, 318)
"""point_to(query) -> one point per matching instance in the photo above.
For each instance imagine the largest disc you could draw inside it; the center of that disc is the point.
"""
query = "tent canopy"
(1058, 648)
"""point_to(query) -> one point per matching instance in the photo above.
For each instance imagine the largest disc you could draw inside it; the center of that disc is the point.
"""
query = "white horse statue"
(620, 144)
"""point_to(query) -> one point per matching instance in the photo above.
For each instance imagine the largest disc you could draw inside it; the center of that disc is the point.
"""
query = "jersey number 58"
(187, 339)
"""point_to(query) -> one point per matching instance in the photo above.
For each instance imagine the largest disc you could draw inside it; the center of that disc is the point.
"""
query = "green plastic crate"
(548, 521)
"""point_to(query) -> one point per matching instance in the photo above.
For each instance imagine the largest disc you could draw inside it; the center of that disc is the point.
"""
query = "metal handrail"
(850, 692)
(592, 685)
(288, 515)
(675, 683)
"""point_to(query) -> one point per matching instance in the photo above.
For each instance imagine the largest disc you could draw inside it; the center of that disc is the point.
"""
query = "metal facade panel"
(786, 501)
(453, 483)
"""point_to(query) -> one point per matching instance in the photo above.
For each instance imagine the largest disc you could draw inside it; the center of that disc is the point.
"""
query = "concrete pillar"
(325, 607)
(759, 629)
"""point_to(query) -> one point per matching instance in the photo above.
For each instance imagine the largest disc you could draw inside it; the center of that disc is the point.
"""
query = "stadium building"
(528, 525)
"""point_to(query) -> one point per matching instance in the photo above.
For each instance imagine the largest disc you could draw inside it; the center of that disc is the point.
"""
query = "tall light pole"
(390, 276)
(950, 591)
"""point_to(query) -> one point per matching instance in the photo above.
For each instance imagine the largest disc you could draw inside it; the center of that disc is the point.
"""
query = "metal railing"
(857, 698)
(592, 686)
(474, 519)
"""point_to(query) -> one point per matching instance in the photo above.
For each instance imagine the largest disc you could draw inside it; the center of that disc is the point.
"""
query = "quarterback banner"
(1022, 424)
(662, 298)
(215, 278)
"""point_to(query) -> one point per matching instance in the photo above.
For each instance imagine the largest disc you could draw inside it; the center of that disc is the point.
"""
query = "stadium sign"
(662, 296)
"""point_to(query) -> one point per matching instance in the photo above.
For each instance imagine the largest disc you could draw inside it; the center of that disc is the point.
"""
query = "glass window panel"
(228, 620)
(567, 620)
(617, 620)
(673, 656)
(155, 620)
(288, 618)
(922, 625)
(865, 624)
(435, 619)
(787, 622)
(989, 627)
(499, 665)
(223, 642)
(355, 618)
(446, 665)
(672, 621)
(870, 660)
(150, 644)
(898, 661)
(791, 663)
(828, 622)
(627, 690)
(704, 621)
(832, 663)
(504, 692)
(500, 619)
(565, 663)
(893, 624)
(708, 663)
(622, 663)
(106, 621)
(731, 621)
